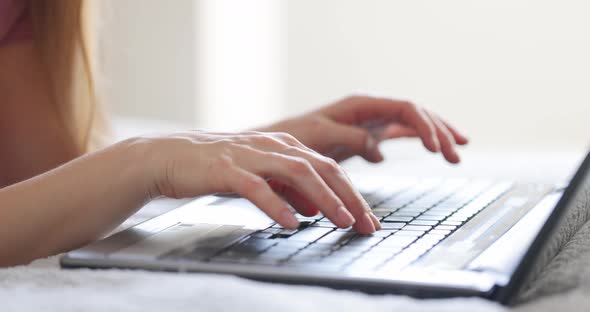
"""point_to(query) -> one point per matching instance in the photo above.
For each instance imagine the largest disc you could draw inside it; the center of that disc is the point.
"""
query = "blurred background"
(511, 74)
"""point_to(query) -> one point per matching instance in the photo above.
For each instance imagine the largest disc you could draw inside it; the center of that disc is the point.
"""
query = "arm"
(71, 205)
(85, 198)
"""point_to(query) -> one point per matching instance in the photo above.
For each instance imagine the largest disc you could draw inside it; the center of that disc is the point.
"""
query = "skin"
(288, 159)
(27, 115)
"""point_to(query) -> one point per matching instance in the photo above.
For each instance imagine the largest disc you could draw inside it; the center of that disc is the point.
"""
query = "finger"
(357, 206)
(335, 176)
(395, 131)
(417, 119)
(459, 137)
(356, 140)
(336, 179)
(357, 110)
(298, 174)
(257, 190)
(299, 202)
(446, 139)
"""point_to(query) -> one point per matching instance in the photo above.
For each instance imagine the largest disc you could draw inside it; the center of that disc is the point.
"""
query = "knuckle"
(285, 137)
(330, 166)
(291, 150)
(411, 105)
(251, 184)
(299, 166)
(251, 132)
(222, 143)
(265, 139)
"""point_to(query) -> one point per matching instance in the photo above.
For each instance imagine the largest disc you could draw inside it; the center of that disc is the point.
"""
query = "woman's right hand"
(257, 166)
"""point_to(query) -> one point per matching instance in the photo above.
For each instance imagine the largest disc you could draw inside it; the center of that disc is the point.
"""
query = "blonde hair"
(64, 34)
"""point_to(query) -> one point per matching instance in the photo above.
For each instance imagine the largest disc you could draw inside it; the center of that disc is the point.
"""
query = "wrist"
(143, 162)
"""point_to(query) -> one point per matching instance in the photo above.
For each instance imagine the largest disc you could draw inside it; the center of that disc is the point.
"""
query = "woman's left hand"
(357, 124)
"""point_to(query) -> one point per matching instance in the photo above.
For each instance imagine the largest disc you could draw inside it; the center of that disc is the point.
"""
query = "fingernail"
(368, 223)
(344, 217)
(376, 222)
(371, 144)
(289, 219)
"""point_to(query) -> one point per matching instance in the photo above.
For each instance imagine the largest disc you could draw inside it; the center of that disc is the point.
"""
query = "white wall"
(148, 56)
(508, 72)
(240, 63)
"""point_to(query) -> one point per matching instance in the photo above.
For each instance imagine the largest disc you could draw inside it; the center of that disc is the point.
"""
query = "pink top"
(15, 21)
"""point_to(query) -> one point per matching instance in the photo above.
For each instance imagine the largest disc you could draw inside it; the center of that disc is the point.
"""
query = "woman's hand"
(357, 124)
(257, 166)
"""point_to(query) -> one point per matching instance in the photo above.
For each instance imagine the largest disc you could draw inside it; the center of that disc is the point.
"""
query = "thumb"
(355, 140)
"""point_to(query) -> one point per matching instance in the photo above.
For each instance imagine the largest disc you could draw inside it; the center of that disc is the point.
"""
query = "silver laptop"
(440, 238)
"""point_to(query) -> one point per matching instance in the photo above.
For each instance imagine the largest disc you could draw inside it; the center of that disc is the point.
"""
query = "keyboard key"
(370, 261)
(397, 241)
(311, 219)
(446, 227)
(381, 213)
(324, 223)
(416, 228)
(348, 252)
(431, 218)
(392, 225)
(272, 230)
(253, 246)
(423, 222)
(336, 237)
(382, 251)
(442, 232)
(320, 248)
(383, 233)
(426, 244)
(397, 219)
(457, 218)
(280, 253)
(405, 214)
(398, 262)
(435, 214)
(413, 209)
(433, 237)
(409, 233)
(353, 248)
(448, 222)
(310, 234)
(262, 235)
(313, 253)
(288, 245)
(285, 232)
(365, 240)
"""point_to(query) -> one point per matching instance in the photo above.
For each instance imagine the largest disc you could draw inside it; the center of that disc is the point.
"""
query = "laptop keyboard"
(415, 218)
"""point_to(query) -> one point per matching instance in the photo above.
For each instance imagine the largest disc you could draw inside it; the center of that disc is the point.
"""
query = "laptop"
(440, 238)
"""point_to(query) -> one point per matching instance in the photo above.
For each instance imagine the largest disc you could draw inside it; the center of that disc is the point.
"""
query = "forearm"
(73, 204)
